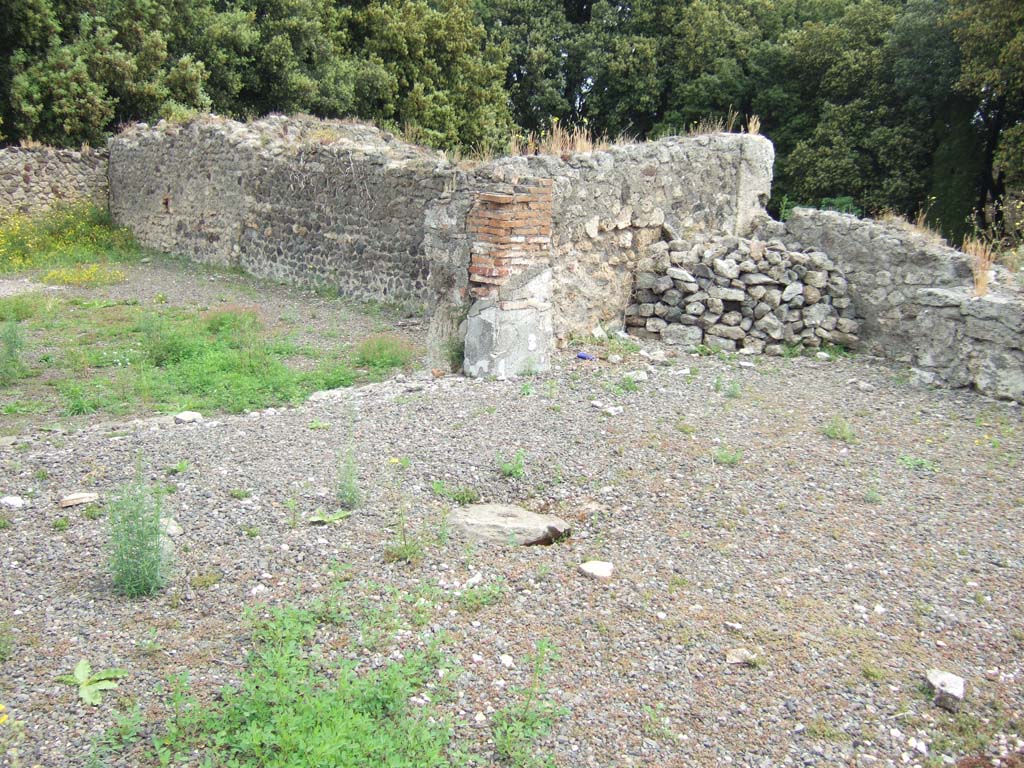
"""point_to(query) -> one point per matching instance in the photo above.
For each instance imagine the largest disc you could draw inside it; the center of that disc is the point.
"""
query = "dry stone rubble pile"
(733, 294)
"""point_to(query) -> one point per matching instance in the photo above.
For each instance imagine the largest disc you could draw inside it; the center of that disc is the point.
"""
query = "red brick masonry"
(511, 231)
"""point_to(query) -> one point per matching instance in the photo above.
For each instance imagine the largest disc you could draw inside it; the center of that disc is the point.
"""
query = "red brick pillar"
(511, 229)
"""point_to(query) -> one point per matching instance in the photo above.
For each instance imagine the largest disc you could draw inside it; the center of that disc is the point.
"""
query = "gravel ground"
(846, 572)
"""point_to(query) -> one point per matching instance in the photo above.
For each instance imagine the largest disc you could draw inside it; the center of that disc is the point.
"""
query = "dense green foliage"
(898, 104)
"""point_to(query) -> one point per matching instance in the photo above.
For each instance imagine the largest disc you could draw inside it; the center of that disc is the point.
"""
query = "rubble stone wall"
(914, 295)
(300, 200)
(35, 179)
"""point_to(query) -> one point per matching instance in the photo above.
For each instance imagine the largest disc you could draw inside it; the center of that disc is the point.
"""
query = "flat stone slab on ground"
(509, 524)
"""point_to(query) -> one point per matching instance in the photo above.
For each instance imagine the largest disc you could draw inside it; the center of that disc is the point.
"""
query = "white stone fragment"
(597, 569)
(13, 502)
(188, 417)
(740, 656)
(949, 689)
(75, 499)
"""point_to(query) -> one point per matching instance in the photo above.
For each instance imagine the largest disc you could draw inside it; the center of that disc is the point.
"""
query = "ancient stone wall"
(609, 206)
(305, 201)
(914, 295)
(35, 179)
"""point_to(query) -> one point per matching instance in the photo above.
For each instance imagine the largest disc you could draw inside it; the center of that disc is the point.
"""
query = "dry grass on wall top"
(982, 259)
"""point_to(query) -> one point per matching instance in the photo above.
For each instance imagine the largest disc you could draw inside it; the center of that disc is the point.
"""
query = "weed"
(982, 257)
(178, 469)
(685, 427)
(347, 486)
(239, 493)
(64, 235)
(872, 495)
(872, 673)
(6, 642)
(84, 275)
(61, 524)
(820, 729)
(517, 727)
(324, 518)
(5, 522)
(317, 424)
(12, 342)
(206, 579)
(627, 384)
(461, 496)
(839, 428)
(526, 389)
(734, 390)
(293, 512)
(384, 352)
(406, 548)
(251, 531)
(918, 464)
(41, 474)
(288, 710)
(92, 684)
(514, 467)
(726, 456)
(149, 645)
(138, 559)
(476, 598)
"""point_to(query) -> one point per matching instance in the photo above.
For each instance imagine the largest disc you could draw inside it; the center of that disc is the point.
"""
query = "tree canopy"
(901, 105)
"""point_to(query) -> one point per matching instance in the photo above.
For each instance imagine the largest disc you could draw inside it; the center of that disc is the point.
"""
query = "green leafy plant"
(61, 524)
(517, 727)
(514, 467)
(138, 558)
(460, 496)
(406, 548)
(5, 522)
(240, 493)
(839, 428)
(918, 464)
(178, 469)
(92, 684)
(320, 517)
(294, 707)
(476, 598)
(726, 456)
(734, 390)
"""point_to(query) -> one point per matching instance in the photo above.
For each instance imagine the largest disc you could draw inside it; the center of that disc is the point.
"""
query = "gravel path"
(844, 570)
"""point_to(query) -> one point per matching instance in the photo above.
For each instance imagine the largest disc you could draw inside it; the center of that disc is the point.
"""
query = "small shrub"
(138, 558)
(384, 352)
(839, 428)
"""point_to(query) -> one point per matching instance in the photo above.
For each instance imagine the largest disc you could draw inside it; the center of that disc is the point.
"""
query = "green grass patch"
(383, 352)
(122, 357)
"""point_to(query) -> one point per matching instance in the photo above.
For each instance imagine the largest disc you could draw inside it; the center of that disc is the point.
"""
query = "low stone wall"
(32, 180)
(732, 294)
(300, 200)
(914, 295)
